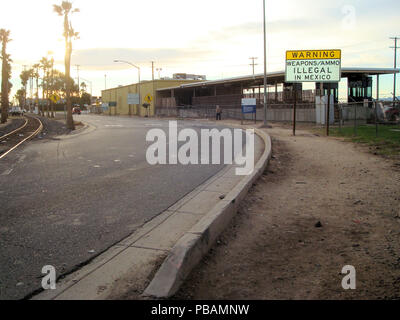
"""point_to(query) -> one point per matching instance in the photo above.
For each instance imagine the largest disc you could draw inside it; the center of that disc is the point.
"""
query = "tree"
(25, 76)
(83, 87)
(6, 75)
(65, 10)
(36, 76)
(20, 96)
(86, 98)
(46, 65)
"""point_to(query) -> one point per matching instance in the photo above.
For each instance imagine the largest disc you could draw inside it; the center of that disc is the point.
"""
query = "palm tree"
(83, 87)
(36, 76)
(25, 76)
(65, 10)
(46, 66)
(6, 75)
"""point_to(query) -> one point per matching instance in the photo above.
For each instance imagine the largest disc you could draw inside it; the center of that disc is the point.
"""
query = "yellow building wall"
(120, 95)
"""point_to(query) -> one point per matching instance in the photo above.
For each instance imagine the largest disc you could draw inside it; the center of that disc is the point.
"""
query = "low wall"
(284, 115)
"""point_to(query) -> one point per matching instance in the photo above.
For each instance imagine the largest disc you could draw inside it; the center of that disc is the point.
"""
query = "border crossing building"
(193, 98)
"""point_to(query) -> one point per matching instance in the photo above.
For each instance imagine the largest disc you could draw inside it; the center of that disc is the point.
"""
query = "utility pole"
(77, 70)
(105, 82)
(254, 63)
(154, 93)
(26, 87)
(395, 66)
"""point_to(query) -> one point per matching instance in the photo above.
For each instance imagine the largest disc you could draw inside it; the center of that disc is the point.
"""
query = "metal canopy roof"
(280, 76)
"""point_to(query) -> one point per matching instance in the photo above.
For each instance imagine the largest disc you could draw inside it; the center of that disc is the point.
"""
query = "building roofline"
(148, 81)
(370, 71)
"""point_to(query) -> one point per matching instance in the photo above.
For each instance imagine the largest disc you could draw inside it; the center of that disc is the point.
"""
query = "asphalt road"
(62, 202)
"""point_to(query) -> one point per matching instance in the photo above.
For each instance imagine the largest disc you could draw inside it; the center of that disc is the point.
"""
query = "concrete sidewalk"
(126, 269)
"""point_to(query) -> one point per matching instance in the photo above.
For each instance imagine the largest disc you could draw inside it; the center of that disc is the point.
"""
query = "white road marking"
(7, 172)
(21, 158)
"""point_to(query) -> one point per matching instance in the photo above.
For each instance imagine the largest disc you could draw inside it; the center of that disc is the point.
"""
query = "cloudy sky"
(210, 37)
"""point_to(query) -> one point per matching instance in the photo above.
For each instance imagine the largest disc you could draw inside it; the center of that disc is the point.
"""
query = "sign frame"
(133, 97)
(313, 59)
(249, 104)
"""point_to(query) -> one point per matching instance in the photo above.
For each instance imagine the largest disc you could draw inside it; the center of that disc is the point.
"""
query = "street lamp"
(159, 72)
(131, 64)
(265, 68)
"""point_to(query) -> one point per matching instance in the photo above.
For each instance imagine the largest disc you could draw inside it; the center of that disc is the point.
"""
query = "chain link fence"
(369, 113)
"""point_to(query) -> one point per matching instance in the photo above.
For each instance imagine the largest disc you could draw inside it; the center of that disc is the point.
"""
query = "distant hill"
(390, 99)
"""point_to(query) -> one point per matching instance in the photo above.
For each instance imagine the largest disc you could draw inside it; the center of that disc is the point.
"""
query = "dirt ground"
(273, 249)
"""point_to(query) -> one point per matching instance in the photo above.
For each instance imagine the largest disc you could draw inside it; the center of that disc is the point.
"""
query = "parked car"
(16, 111)
(76, 110)
(391, 113)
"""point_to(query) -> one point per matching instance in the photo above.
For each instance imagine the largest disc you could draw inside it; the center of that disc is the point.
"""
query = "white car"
(17, 111)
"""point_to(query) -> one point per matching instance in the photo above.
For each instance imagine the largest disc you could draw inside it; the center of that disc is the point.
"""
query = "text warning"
(313, 66)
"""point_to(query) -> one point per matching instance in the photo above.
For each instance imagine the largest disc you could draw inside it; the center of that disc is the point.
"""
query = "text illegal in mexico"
(313, 66)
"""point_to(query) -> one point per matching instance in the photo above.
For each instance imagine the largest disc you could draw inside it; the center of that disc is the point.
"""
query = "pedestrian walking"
(219, 113)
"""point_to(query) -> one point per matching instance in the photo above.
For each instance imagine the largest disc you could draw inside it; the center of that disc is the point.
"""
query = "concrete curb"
(87, 128)
(195, 244)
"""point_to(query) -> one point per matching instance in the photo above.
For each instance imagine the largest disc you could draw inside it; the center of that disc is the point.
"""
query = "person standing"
(219, 113)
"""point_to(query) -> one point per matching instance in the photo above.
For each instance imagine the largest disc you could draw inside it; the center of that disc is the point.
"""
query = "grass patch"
(386, 143)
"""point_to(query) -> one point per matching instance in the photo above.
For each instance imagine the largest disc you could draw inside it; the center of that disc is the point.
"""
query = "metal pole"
(376, 118)
(295, 109)
(328, 118)
(395, 76)
(140, 93)
(376, 104)
(355, 119)
(152, 70)
(265, 66)
(377, 87)
(79, 88)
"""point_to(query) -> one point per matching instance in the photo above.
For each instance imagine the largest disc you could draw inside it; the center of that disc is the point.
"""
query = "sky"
(215, 38)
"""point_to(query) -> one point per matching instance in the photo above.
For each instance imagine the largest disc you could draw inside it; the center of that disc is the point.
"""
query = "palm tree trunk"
(4, 86)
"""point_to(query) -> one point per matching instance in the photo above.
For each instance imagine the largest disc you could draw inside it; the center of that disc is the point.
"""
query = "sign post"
(322, 66)
(295, 110)
(133, 98)
(328, 113)
(149, 100)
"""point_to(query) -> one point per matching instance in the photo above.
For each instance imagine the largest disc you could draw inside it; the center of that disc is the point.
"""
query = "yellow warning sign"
(313, 54)
(148, 98)
(55, 98)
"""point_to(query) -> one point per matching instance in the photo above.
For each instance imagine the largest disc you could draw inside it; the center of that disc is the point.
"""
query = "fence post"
(295, 110)
(328, 111)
